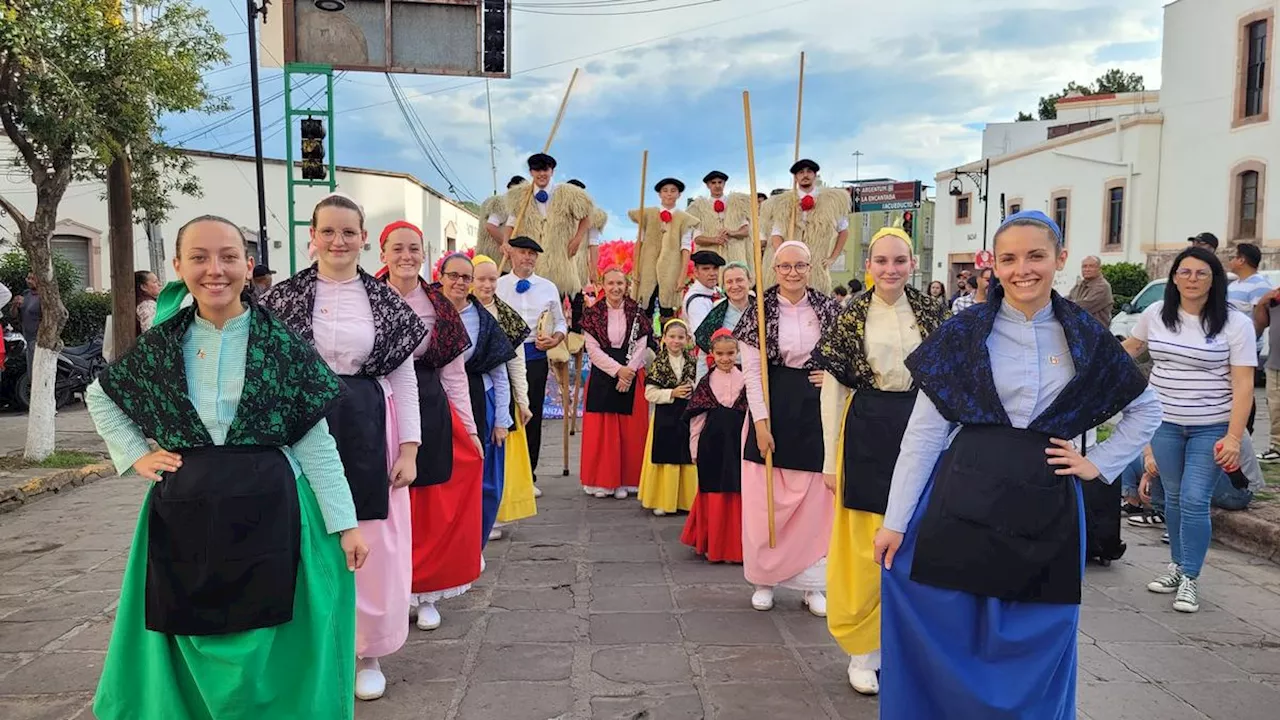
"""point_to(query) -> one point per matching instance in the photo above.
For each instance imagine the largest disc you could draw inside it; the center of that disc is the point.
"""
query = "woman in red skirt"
(615, 423)
(716, 412)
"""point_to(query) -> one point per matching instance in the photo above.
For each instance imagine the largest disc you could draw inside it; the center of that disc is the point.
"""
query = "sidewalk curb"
(12, 498)
(1248, 533)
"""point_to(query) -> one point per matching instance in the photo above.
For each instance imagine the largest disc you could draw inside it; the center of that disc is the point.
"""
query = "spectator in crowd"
(1249, 286)
(938, 291)
(842, 294)
(1206, 240)
(965, 300)
(29, 316)
(855, 287)
(146, 290)
(962, 285)
(1093, 292)
(262, 279)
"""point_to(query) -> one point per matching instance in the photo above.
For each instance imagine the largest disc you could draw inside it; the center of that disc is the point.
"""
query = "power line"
(417, 130)
(530, 11)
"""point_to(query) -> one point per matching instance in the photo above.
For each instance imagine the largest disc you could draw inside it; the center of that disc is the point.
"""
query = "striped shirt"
(1191, 372)
(1244, 294)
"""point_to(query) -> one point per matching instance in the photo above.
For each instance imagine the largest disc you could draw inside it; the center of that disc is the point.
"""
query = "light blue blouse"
(1031, 364)
(215, 365)
(496, 378)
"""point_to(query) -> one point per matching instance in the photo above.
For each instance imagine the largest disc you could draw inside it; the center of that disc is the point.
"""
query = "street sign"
(880, 197)
(983, 259)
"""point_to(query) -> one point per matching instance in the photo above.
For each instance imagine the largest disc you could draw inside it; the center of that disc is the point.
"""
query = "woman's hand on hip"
(153, 463)
(1069, 461)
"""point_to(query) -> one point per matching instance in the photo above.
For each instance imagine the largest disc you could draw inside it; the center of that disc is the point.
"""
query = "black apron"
(1000, 523)
(719, 451)
(873, 431)
(602, 390)
(359, 425)
(479, 403)
(795, 410)
(222, 542)
(435, 455)
(670, 434)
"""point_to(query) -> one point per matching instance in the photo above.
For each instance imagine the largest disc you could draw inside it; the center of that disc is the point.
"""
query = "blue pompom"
(541, 196)
(522, 286)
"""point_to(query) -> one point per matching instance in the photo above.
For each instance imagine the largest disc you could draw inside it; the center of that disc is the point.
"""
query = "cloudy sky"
(909, 83)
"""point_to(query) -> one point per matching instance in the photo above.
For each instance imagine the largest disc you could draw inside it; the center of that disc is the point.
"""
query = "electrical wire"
(649, 11)
(417, 131)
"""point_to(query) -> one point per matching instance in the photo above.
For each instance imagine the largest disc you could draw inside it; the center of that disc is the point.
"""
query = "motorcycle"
(78, 367)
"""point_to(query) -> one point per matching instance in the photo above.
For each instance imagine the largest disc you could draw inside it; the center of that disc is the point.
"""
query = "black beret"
(706, 257)
(525, 243)
(715, 175)
(804, 164)
(578, 183)
(541, 161)
(515, 180)
(668, 181)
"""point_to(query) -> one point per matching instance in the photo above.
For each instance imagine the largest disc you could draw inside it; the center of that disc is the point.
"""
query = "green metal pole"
(333, 173)
(288, 168)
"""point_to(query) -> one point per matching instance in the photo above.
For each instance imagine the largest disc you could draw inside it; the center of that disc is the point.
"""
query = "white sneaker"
(620, 493)
(428, 616)
(1188, 598)
(495, 534)
(537, 491)
(1167, 583)
(370, 682)
(762, 598)
(865, 682)
(816, 602)
(602, 494)
(482, 563)
(659, 513)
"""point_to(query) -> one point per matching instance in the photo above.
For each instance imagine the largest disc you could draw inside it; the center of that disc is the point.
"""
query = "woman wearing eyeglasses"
(789, 427)
(333, 304)
(1203, 363)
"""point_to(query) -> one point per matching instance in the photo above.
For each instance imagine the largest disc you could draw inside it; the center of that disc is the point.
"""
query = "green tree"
(78, 86)
(1114, 80)
(1127, 279)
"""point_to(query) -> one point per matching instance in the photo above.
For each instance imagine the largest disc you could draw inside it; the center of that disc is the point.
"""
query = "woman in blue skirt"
(982, 544)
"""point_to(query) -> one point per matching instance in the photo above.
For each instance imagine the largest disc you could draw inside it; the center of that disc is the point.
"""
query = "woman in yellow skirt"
(669, 479)
(865, 353)
(518, 500)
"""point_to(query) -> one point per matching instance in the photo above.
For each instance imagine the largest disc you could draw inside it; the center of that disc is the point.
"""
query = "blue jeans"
(1130, 477)
(1188, 475)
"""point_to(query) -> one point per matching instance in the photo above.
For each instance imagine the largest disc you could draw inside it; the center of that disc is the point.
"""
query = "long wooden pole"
(795, 186)
(524, 206)
(635, 251)
(764, 356)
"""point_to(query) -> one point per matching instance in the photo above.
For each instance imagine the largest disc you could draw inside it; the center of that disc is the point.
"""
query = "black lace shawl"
(660, 372)
(842, 351)
(748, 330)
(448, 337)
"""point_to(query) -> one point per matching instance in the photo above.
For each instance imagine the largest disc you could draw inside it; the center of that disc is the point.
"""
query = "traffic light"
(313, 167)
(908, 218)
(493, 30)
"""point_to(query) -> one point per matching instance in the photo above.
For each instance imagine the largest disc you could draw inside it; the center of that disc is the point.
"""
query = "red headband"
(721, 333)
(397, 225)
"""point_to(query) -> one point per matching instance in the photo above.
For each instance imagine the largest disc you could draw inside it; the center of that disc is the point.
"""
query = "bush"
(1127, 280)
(14, 269)
(86, 316)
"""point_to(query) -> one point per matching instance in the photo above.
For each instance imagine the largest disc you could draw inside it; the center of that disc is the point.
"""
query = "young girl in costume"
(716, 413)
(446, 494)
(213, 619)
(367, 334)
(668, 479)
(983, 538)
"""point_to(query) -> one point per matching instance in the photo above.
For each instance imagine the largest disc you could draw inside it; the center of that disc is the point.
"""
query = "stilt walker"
(664, 255)
(724, 220)
(492, 239)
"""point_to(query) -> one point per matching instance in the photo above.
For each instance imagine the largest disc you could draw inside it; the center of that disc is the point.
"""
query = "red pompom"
(665, 215)
(719, 206)
(806, 203)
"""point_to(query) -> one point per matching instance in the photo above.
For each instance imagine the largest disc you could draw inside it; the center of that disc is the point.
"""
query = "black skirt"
(602, 390)
(670, 434)
(479, 403)
(720, 451)
(435, 455)
(359, 425)
(222, 542)
(1000, 523)
(795, 410)
(873, 431)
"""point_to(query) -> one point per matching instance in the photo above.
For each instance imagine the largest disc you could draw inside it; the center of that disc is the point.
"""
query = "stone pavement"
(594, 610)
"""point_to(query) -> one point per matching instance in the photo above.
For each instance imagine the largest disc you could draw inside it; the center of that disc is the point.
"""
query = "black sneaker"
(1270, 456)
(1147, 519)
(1131, 509)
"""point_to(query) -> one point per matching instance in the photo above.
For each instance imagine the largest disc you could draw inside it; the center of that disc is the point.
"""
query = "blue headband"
(1036, 217)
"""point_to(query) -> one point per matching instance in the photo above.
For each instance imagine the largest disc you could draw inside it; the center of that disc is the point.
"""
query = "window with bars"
(1247, 212)
(1115, 216)
(1255, 67)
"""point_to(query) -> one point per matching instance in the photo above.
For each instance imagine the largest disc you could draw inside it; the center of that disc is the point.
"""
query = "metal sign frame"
(290, 112)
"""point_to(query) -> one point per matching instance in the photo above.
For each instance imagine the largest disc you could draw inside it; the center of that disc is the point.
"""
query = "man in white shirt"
(557, 219)
(821, 222)
(494, 211)
(533, 297)
(703, 292)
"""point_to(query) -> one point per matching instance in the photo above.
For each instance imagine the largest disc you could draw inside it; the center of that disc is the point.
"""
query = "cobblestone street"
(593, 609)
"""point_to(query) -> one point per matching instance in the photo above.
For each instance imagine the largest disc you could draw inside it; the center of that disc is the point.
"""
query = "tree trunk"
(124, 314)
(53, 316)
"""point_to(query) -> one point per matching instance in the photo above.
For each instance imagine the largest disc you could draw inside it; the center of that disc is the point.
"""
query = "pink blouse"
(617, 331)
(342, 324)
(452, 376)
(798, 332)
(726, 386)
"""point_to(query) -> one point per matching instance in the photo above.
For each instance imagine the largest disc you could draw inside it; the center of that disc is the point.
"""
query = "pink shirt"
(452, 376)
(342, 325)
(725, 386)
(798, 332)
(617, 332)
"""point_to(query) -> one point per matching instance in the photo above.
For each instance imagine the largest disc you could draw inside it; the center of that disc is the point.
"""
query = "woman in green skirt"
(238, 598)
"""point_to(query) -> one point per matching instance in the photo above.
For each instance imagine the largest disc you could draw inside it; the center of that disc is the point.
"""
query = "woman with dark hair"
(983, 538)
(146, 289)
(938, 292)
(1203, 363)
(367, 334)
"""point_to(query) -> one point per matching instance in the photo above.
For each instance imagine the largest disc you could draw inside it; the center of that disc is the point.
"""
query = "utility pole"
(253, 10)
(155, 242)
(493, 163)
(120, 241)
(857, 164)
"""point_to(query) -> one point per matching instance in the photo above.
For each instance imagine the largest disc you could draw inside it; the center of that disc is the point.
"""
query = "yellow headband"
(671, 322)
(885, 232)
(479, 260)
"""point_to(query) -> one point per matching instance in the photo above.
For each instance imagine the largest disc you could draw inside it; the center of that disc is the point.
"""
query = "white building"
(1132, 176)
(229, 189)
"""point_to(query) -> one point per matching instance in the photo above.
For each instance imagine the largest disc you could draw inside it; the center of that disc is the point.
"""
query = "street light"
(982, 183)
(331, 5)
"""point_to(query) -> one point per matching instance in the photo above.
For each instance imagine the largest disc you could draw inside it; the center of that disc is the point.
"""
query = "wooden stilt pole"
(635, 252)
(764, 357)
(791, 231)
